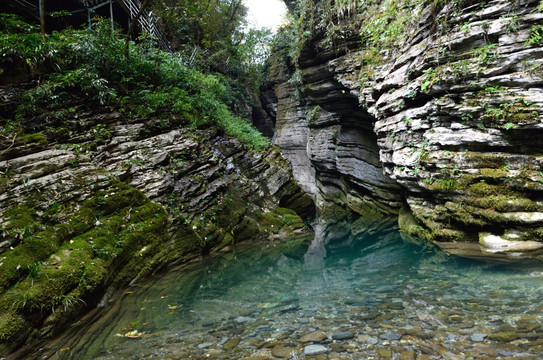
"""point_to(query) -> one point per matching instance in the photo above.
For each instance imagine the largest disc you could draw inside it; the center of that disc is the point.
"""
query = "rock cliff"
(429, 109)
(92, 200)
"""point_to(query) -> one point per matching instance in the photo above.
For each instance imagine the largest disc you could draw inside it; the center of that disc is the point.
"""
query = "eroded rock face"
(444, 118)
(95, 200)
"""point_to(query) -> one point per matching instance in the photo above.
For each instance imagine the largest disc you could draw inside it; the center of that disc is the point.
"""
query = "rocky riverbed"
(379, 298)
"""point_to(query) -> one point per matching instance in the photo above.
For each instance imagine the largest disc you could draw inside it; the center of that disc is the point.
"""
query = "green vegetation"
(519, 111)
(536, 36)
(76, 64)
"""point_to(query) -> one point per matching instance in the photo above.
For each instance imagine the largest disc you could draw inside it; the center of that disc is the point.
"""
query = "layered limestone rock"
(92, 200)
(444, 98)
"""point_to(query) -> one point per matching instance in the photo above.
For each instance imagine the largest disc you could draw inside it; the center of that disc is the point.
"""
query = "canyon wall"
(432, 110)
(92, 199)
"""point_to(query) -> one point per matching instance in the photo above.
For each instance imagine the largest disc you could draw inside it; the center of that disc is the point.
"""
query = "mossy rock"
(34, 139)
(409, 224)
(484, 189)
(247, 229)
(114, 237)
(13, 330)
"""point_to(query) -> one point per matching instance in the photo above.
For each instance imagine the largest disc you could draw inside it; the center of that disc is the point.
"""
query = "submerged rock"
(312, 350)
(314, 337)
(478, 337)
(342, 335)
(503, 336)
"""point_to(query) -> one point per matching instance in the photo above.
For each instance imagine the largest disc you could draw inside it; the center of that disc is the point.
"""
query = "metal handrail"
(27, 4)
(147, 21)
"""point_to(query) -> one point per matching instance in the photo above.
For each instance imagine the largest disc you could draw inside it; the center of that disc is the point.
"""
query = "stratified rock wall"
(449, 107)
(92, 199)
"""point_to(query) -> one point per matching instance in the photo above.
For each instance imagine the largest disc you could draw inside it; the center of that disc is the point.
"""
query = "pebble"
(289, 299)
(366, 339)
(408, 355)
(205, 345)
(314, 337)
(282, 351)
(504, 336)
(477, 337)
(243, 319)
(390, 336)
(232, 343)
(312, 350)
(287, 308)
(342, 335)
(385, 353)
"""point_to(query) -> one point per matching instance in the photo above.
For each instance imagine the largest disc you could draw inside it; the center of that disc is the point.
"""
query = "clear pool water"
(366, 296)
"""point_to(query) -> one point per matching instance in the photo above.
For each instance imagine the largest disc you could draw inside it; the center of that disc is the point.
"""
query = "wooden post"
(42, 18)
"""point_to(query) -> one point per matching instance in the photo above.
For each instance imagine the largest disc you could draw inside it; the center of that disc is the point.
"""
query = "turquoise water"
(362, 296)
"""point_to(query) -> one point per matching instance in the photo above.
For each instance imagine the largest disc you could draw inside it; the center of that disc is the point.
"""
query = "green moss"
(186, 239)
(35, 139)
(493, 173)
(228, 213)
(270, 221)
(114, 237)
(5, 183)
(484, 189)
(19, 217)
(487, 160)
(519, 112)
(247, 229)
(532, 234)
(409, 224)
(14, 329)
(464, 214)
(11, 324)
(504, 203)
(442, 184)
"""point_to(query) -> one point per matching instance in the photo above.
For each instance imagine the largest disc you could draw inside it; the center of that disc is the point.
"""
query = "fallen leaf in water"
(133, 334)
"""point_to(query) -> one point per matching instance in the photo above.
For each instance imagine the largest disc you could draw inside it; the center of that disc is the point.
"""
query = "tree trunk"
(42, 18)
(133, 25)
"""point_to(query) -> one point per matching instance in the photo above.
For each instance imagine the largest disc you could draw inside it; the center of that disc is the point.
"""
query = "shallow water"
(385, 298)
